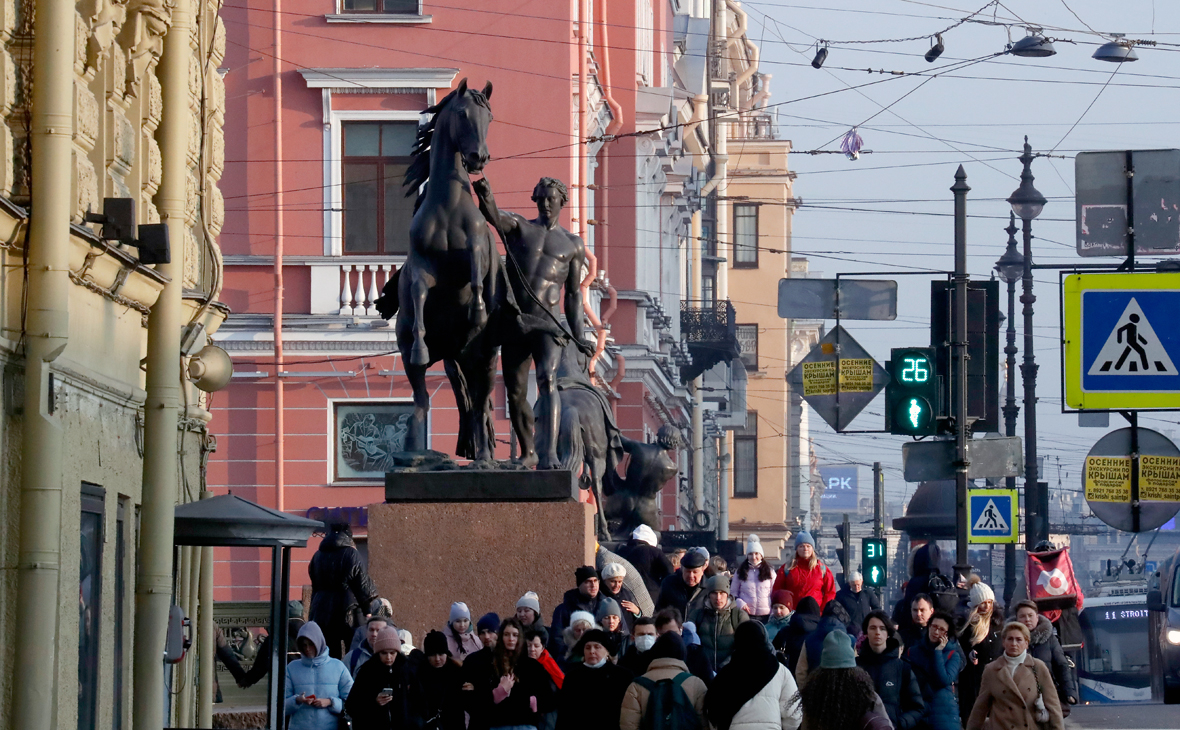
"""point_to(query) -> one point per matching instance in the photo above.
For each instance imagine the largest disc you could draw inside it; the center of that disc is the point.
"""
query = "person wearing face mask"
(895, 682)
(610, 618)
(317, 685)
(440, 678)
(643, 638)
(592, 693)
(937, 660)
(611, 586)
(980, 639)
(718, 621)
(751, 584)
(460, 635)
(668, 656)
(806, 575)
(1016, 692)
(1044, 645)
(385, 696)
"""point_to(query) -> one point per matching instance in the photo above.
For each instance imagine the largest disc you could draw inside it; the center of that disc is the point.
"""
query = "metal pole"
(1133, 417)
(38, 594)
(1028, 371)
(1011, 411)
(959, 353)
(878, 501)
(847, 563)
(698, 399)
(206, 644)
(153, 584)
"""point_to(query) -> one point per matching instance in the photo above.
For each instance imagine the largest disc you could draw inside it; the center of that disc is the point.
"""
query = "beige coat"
(1008, 701)
(635, 701)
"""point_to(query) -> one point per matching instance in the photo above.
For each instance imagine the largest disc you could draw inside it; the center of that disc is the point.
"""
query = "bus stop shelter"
(230, 521)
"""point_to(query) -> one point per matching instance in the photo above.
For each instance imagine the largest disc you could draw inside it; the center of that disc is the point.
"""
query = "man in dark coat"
(856, 600)
(336, 574)
(684, 589)
(582, 598)
(696, 659)
(921, 610)
(896, 684)
(643, 551)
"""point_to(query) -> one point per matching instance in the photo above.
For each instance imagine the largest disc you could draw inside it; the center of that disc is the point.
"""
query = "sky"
(975, 112)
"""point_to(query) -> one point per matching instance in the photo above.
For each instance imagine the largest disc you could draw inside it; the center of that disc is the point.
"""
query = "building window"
(383, 7)
(747, 336)
(377, 213)
(745, 458)
(367, 435)
(745, 236)
(90, 603)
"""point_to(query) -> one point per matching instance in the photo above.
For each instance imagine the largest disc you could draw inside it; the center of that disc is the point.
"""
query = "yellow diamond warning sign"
(1108, 479)
(1159, 478)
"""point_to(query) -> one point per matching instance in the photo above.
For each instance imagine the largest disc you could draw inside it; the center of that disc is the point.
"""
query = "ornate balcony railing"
(710, 331)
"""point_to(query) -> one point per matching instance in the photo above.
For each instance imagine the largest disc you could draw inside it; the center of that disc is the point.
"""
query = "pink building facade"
(323, 100)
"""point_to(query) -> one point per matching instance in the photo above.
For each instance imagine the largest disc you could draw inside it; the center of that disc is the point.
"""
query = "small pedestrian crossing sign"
(991, 515)
(1132, 347)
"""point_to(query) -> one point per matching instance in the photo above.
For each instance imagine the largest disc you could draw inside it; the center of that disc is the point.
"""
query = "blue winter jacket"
(937, 671)
(323, 677)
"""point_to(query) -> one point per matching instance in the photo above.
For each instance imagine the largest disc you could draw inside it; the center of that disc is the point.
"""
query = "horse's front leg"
(416, 437)
(419, 288)
(479, 247)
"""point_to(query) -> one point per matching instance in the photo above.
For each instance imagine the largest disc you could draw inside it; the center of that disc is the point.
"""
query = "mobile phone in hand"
(387, 692)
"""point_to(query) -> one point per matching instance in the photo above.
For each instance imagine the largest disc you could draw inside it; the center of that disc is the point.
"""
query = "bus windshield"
(1116, 644)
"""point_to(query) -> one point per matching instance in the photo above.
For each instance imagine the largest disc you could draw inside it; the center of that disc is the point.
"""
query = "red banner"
(1050, 579)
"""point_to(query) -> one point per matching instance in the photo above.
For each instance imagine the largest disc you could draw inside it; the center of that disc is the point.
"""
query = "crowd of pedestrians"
(758, 649)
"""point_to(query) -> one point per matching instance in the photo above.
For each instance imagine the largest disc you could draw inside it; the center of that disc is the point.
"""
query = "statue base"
(481, 537)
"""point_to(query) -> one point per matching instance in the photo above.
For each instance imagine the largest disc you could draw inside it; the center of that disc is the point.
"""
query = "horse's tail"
(571, 448)
(387, 303)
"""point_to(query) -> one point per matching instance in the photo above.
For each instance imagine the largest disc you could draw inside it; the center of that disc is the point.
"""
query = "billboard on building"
(841, 489)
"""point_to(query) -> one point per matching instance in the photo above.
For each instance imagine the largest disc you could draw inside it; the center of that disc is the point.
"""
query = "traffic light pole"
(878, 501)
(959, 355)
(847, 566)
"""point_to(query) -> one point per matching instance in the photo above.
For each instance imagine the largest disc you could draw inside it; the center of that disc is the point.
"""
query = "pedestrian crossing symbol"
(991, 515)
(1120, 342)
(1132, 348)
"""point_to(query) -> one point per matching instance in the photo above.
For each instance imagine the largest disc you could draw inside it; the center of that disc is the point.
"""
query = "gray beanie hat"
(530, 600)
(607, 607)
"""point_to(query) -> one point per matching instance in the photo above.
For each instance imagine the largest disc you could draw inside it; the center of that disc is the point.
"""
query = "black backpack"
(668, 707)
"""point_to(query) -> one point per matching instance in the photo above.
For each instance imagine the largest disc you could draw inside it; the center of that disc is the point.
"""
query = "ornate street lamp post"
(1010, 267)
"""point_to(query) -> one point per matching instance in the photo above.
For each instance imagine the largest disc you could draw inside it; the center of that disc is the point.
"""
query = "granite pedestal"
(481, 537)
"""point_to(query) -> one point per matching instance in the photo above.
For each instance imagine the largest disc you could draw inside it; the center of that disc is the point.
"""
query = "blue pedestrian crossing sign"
(1122, 347)
(991, 516)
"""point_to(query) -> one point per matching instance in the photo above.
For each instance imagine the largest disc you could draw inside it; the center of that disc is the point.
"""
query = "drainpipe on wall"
(603, 49)
(153, 583)
(38, 595)
(280, 455)
(698, 401)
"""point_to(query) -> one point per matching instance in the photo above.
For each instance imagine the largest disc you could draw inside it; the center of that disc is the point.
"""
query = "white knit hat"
(530, 600)
(586, 616)
(407, 641)
(979, 593)
(753, 545)
(613, 570)
(645, 534)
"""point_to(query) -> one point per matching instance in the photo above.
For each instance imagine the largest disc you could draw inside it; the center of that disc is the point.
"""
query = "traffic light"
(912, 394)
(843, 553)
(873, 561)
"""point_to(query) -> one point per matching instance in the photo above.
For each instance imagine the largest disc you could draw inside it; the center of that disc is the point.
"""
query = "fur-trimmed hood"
(1042, 633)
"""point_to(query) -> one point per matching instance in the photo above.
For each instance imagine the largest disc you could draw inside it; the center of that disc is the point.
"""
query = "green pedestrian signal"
(874, 561)
(912, 394)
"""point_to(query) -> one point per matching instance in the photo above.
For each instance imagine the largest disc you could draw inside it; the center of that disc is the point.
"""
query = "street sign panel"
(1121, 344)
(931, 461)
(1101, 201)
(991, 516)
(823, 298)
(838, 378)
(1106, 478)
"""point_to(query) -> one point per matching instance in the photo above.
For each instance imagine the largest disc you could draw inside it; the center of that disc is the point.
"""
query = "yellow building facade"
(760, 208)
(90, 342)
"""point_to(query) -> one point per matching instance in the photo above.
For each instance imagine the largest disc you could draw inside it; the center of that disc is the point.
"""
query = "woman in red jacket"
(806, 575)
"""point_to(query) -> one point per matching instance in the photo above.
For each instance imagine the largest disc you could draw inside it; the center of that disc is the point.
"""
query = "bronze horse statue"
(451, 294)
